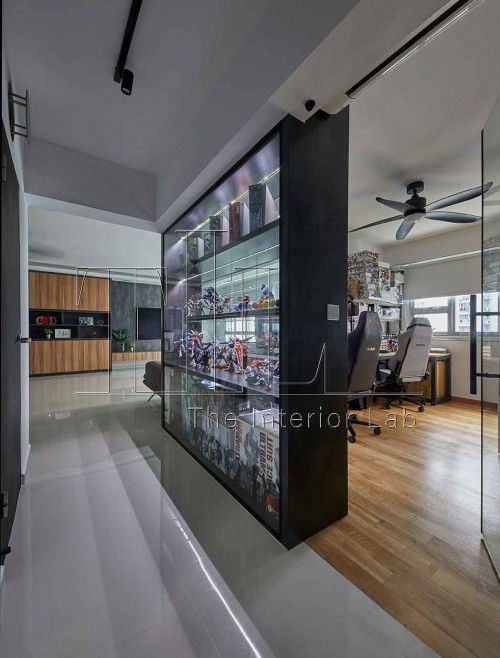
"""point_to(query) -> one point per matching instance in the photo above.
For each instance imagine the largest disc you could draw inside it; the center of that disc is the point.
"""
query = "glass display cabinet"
(236, 358)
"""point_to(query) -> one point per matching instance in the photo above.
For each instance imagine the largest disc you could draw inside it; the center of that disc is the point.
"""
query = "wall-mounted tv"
(148, 323)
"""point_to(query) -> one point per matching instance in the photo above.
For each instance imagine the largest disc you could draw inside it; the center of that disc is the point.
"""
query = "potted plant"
(48, 332)
(121, 336)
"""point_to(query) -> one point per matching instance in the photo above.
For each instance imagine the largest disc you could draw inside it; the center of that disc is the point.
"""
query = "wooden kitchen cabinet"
(48, 290)
(60, 356)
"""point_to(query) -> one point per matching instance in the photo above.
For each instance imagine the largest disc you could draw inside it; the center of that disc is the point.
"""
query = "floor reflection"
(125, 546)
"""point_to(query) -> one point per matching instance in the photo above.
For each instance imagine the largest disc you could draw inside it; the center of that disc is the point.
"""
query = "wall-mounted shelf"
(65, 298)
(380, 302)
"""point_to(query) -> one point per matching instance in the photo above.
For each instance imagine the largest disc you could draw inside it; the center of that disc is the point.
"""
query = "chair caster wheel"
(388, 405)
(351, 439)
(377, 430)
(421, 408)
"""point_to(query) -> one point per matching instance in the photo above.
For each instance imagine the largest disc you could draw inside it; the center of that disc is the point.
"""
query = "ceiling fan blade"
(492, 190)
(405, 227)
(400, 206)
(380, 221)
(455, 217)
(458, 197)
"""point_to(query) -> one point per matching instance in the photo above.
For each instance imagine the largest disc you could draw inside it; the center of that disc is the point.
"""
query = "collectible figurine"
(183, 346)
(266, 292)
(222, 305)
(212, 302)
(220, 360)
(196, 338)
(270, 339)
(203, 357)
(194, 306)
(238, 352)
(230, 355)
(243, 304)
(260, 373)
(208, 300)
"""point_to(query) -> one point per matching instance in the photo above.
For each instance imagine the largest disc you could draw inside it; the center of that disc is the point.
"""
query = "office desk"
(384, 356)
(436, 387)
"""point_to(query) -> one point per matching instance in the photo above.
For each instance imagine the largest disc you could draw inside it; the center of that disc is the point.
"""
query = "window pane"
(431, 302)
(489, 323)
(439, 321)
(462, 314)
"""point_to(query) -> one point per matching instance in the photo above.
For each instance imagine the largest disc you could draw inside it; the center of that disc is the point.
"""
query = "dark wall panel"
(125, 298)
(314, 202)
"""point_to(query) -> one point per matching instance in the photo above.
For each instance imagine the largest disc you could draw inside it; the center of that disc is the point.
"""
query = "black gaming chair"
(363, 346)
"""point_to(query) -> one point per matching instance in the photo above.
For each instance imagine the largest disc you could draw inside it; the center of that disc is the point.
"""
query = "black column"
(314, 207)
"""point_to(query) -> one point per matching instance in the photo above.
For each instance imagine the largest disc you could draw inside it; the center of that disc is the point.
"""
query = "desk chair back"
(410, 362)
(363, 349)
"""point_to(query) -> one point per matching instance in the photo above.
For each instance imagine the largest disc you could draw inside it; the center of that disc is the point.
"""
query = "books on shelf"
(363, 266)
(368, 278)
(212, 237)
(195, 246)
(224, 227)
(239, 220)
(262, 209)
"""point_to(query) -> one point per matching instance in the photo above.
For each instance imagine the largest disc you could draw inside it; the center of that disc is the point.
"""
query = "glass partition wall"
(221, 343)
(490, 340)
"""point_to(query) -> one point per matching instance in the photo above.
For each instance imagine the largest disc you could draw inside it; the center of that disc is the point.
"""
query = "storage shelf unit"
(263, 236)
(59, 301)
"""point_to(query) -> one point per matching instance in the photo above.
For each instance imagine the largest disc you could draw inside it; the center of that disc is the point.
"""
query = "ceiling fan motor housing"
(415, 188)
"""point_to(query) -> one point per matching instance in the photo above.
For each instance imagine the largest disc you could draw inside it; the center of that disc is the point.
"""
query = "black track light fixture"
(123, 75)
(127, 81)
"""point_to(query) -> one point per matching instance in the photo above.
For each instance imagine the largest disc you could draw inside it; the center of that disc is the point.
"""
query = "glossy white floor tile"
(124, 546)
(102, 563)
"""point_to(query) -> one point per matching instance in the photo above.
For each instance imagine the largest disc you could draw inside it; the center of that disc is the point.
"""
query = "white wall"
(17, 152)
(459, 349)
(60, 240)
(458, 274)
(64, 174)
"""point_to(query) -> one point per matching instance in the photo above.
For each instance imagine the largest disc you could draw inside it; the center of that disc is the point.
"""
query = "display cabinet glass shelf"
(238, 312)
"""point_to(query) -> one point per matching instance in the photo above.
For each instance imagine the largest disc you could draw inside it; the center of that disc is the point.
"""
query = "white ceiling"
(208, 76)
(184, 55)
(423, 121)
(67, 62)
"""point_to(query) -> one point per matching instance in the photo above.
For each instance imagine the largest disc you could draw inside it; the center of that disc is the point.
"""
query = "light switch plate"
(332, 312)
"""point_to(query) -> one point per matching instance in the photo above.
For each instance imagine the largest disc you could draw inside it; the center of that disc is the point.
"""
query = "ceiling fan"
(416, 208)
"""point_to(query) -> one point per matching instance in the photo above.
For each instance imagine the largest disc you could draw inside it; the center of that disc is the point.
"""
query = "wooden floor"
(411, 540)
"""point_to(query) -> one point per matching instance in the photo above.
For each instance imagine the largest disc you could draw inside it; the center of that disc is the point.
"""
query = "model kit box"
(239, 221)
(262, 209)
(364, 267)
(258, 452)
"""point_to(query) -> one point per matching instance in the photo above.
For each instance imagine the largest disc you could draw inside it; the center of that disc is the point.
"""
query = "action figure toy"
(244, 303)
